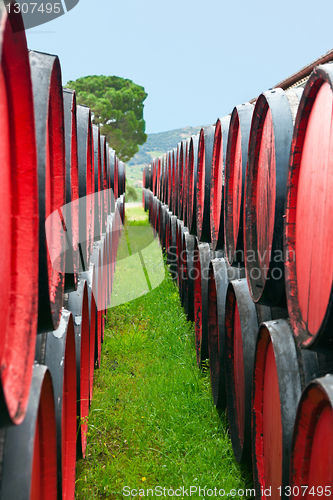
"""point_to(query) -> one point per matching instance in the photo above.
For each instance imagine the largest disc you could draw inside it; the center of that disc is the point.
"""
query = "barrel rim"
(302, 447)
(289, 390)
(272, 291)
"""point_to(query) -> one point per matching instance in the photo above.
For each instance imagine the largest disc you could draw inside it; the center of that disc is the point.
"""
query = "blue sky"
(196, 59)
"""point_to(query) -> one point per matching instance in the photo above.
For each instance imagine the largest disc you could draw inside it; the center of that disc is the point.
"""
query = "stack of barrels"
(62, 205)
(244, 211)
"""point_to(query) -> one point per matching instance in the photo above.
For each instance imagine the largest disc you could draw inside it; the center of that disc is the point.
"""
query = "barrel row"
(62, 196)
(260, 304)
(249, 186)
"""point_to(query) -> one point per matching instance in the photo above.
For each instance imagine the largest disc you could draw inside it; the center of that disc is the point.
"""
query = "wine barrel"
(217, 182)
(56, 350)
(242, 320)
(114, 244)
(156, 207)
(29, 467)
(111, 193)
(281, 371)
(147, 198)
(154, 175)
(201, 260)
(18, 221)
(168, 192)
(192, 185)
(107, 270)
(106, 249)
(150, 207)
(162, 229)
(204, 170)
(168, 214)
(148, 177)
(308, 239)
(104, 163)
(179, 241)
(124, 179)
(151, 210)
(174, 182)
(115, 233)
(122, 209)
(102, 292)
(160, 219)
(311, 453)
(167, 231)
(182, 265)
(157, 215)
(181, 178)
(71, 210)
(177, 180)
(49, 118)
(161, 191)
(158, 176)
(116, 178)
(91, 279)
(166, 179)
(188, 274)
(276, 392)
(144, 177)
(86, 183)
(121, 178)
(172, 247)
(219, 275)
(234, 181)
(163, 177)
(265, 194)
(78, 304)
(98, 184)
(186, 180)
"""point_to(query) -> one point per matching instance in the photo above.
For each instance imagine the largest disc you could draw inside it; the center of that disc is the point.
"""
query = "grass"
(152, 422)
(136, 214)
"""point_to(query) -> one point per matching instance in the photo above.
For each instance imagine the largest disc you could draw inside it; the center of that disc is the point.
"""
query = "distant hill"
(157, 144)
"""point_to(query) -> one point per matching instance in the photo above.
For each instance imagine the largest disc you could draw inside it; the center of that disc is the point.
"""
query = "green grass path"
(152, 422)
